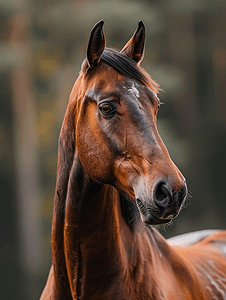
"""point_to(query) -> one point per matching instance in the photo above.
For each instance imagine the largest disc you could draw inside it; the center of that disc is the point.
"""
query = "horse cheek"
(94, 154)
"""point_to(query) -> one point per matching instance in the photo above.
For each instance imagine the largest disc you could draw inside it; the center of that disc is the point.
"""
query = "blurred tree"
(42, 45)
(9, 265)
(25, 134)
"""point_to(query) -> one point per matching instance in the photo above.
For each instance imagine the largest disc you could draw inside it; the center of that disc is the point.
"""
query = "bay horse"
(115, 179)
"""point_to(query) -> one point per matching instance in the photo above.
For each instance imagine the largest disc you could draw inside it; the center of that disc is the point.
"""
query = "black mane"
(123, 64)
(126, 66)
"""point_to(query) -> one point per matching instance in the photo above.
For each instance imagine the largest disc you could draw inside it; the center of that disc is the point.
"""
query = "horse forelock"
(123, 65)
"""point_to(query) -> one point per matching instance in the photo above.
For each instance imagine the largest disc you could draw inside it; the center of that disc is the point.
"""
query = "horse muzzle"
(165, 204)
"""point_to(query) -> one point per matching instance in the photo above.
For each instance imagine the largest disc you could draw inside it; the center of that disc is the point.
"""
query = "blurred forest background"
(42, 45)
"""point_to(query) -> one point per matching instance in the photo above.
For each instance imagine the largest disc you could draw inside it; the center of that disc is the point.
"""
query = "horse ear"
(135, 46)
(96, 44)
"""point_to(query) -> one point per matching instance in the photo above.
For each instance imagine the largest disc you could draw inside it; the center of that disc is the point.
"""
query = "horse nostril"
(162, 194)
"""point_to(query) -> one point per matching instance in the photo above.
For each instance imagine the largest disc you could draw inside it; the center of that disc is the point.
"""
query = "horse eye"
(107, 109)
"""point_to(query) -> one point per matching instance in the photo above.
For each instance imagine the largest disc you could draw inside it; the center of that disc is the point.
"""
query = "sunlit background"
(42, 45)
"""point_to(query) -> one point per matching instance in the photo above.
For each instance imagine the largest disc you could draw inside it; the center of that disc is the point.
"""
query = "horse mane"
(128, 67)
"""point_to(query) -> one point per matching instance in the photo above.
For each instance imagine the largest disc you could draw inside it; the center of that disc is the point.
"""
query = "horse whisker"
(142, 230)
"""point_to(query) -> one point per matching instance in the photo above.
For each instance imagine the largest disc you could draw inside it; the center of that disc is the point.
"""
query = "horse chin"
(148, 218)
(152, 220)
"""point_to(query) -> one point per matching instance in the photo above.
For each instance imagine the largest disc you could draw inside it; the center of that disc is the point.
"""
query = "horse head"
(116, 134)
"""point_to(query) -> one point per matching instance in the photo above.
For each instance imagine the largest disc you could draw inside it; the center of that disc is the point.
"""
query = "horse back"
(215, 239)
(191, 238)
(204, 252)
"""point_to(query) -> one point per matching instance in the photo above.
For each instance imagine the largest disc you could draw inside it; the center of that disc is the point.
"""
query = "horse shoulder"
(204, 252)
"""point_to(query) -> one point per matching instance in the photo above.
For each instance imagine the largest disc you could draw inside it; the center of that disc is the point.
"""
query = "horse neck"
(86, 227)
(89, 206)
(90, 236)
(89, 228)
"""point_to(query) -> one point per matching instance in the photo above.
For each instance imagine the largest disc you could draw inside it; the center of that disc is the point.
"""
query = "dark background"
(42, 44)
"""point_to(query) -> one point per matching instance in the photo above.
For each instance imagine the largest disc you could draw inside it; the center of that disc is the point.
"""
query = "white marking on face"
(133, 90)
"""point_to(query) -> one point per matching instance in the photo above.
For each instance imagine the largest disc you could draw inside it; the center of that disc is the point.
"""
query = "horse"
(115, 180)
